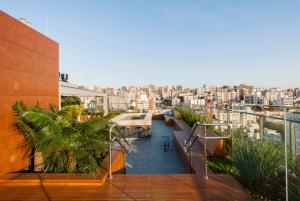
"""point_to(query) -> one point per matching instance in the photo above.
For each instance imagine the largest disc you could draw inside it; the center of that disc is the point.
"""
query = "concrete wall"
(28, 73)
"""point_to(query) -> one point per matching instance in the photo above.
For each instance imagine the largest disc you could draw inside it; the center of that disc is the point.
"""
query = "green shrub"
(257, 162)
(70, 100)
(224, 165)
(221, 165)
(238, 135)
(190, 117)
(294, 181)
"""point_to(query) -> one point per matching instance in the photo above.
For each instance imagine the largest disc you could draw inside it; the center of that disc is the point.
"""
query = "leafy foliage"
(66, 144)
(70, 100)
(222, 165)
(258, 162)
(258, 165)
(294, 181)
(190, 117)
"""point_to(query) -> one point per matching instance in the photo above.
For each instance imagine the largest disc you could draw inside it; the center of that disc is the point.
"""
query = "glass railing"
(266, 125)
(265, 147)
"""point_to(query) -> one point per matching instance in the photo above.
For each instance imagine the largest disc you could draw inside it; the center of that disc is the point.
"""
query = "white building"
(143, 102)
(284, 101)
(90, 98)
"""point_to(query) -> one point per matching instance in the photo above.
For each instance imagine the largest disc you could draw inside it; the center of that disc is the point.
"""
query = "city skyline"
(164, 123)
(116, 43)
(197, 86)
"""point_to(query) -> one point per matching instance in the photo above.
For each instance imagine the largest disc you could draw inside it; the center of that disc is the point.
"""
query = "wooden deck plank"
(136, 187)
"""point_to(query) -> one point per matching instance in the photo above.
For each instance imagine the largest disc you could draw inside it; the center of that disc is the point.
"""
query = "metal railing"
(192, 133)
(286, 118)
(114, 127)
(205, 138)
(250, 113)
(190, 144)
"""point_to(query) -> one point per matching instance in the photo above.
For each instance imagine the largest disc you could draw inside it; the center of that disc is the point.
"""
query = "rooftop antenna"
(47, 27)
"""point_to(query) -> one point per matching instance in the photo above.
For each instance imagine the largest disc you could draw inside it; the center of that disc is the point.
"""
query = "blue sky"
(167, 42)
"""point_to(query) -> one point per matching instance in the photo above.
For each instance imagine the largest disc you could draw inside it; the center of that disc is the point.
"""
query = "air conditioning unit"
(64, 77)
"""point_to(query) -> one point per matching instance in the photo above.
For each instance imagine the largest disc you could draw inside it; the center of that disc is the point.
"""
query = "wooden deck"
(160, 187)
(134, 187)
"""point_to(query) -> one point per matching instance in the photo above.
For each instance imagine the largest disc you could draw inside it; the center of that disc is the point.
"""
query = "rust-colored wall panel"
(21, 35)
(23, 84)
(28, 73)
(9, 61)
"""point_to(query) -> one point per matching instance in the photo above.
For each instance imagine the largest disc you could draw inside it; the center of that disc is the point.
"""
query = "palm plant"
(66, 144)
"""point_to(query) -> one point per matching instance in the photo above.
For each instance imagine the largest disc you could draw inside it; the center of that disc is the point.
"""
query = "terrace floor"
(132, 187)
(153, 175)
(149, 157)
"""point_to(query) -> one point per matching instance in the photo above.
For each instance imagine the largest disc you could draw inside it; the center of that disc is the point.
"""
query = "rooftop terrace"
(152, 174)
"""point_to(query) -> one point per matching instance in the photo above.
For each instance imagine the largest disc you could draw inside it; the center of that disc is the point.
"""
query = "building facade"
(29, 73)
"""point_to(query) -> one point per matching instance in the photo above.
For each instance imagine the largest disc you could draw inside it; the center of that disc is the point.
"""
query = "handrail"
(205, 137)
(247, 113)
(119, 142)
(212, 138)
(123, 136)
(111, 140)
(195, 126)
(215, 137)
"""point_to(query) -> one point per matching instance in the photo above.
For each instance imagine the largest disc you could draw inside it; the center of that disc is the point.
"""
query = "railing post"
(241, 119)
(285, 156)
(110, 154)
(293, 143)
(191, 163)
(205, 154)
(261, 127)
(228, 116)
(219, 117)
(205, 138)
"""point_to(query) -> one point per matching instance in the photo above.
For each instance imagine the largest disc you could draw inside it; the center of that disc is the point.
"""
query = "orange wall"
(28, 73)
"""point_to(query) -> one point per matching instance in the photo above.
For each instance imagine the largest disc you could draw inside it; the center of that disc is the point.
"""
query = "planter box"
(71, 179)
